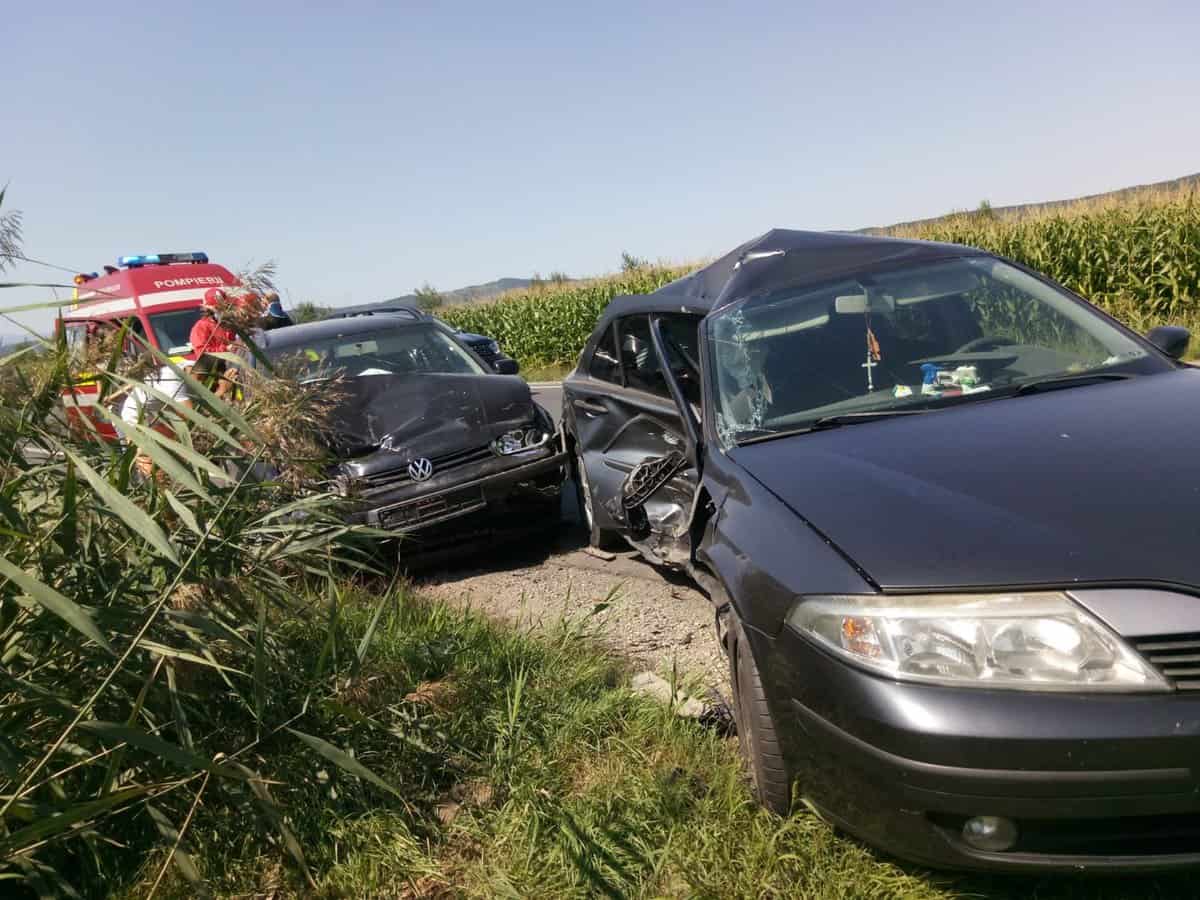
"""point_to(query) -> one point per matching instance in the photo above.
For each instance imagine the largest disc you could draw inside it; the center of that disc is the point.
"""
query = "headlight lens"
(1023, 641)
(520, 440)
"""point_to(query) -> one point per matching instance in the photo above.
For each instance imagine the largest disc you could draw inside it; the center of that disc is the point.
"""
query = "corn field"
(1138, 260)
(551, 324)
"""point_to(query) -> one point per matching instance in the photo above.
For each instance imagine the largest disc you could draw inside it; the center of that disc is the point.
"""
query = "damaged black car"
(431, 444)
(945, 510)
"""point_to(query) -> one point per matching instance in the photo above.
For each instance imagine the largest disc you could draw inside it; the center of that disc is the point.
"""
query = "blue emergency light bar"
(161, 259)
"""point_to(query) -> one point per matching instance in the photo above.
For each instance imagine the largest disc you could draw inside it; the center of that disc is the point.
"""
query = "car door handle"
(592, 409)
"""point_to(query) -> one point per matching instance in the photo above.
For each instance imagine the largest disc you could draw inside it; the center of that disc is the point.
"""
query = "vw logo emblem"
(420, 469)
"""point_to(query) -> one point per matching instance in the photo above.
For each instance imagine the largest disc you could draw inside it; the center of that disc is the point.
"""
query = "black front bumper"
(496, 496)
(1104, 782)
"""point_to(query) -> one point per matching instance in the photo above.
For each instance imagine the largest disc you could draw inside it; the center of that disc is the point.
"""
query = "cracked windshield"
(900, 340)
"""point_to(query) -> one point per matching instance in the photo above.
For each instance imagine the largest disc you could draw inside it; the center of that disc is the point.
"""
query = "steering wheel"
(980, 344)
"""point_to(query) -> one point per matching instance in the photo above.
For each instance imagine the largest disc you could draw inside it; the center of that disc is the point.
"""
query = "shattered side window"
(737, 378)
(605, 364)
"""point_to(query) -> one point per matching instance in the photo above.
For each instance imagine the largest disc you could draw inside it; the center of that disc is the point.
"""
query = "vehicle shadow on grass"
(1070, 887)
(1050, 886)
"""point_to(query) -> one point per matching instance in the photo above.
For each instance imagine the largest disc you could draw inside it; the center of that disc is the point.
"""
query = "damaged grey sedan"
(945, 512)
(431, 444)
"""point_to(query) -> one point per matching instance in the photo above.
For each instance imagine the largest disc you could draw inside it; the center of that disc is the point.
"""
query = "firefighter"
(209, 336)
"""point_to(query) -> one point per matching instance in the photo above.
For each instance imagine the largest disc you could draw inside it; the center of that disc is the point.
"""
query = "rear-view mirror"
(506, 366)
(859, 304)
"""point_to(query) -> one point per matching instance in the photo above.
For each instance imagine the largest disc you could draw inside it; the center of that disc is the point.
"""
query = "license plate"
(426, 509)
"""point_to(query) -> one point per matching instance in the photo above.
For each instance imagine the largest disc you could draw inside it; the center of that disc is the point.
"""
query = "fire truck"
(158, 294)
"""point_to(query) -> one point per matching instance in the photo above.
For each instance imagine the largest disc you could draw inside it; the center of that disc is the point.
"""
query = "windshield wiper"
(856, 418)
(825, 422)
(1068, 381)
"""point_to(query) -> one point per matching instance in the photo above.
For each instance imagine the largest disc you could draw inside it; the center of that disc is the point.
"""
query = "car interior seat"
(824, 365)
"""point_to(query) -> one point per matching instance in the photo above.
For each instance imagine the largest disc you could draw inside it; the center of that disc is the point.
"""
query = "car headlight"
(520, 440)
(1022, 641)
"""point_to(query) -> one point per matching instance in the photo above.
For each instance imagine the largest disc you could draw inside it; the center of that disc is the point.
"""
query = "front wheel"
(600, 538)
(757, 738)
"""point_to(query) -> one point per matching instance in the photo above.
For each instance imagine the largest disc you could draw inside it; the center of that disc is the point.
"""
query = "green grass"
(548, 372)
(570, 786)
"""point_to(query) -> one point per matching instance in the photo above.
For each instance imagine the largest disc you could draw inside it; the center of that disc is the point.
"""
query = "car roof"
(780, 258)
(371, 309)
(295, 335)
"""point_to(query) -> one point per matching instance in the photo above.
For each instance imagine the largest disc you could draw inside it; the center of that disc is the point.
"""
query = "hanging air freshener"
(873, 353)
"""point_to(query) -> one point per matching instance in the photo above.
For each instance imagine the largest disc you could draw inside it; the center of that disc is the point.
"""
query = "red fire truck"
(159, 295)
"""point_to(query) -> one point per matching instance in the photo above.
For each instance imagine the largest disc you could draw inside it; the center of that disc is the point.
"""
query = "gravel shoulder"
(656, 619)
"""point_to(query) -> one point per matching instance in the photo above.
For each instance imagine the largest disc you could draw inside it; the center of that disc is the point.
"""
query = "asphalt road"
(549, 395)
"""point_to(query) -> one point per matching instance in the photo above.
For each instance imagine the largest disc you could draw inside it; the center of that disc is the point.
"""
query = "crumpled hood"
(1092, 484)
(386, 420)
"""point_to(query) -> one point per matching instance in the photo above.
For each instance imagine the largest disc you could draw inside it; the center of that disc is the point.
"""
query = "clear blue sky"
(377, 147)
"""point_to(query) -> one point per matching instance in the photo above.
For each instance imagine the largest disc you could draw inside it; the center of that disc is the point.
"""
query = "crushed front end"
(439, 480)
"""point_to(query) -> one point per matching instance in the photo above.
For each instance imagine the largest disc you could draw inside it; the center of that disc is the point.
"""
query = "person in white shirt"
(142, 407)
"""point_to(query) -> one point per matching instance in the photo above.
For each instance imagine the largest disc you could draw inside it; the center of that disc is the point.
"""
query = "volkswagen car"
(431, 444)
(946, 512)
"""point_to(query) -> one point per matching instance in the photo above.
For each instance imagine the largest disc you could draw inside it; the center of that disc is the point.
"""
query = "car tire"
(757, 737)
(600, 538)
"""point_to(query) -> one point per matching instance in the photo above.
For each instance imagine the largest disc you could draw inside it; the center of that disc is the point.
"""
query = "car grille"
(444, 463)
(1176, 656)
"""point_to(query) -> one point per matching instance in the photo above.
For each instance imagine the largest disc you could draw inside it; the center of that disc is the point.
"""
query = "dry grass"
(292, 414)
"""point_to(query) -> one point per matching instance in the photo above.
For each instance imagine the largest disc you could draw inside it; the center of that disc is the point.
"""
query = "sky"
(371, 148)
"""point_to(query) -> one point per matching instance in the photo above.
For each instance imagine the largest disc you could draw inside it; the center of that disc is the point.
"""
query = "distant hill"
(473, 293)
(1175, 185)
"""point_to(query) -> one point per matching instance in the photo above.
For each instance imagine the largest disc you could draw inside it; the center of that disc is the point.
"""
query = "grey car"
(946, 514)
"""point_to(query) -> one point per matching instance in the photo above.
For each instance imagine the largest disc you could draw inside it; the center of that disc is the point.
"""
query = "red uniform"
(209, 336)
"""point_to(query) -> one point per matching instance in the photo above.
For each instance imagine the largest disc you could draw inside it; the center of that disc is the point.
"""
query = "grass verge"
(526, 768)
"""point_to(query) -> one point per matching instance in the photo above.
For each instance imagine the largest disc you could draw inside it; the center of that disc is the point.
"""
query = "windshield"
(914, 337)
(413, 349)
(173, 329)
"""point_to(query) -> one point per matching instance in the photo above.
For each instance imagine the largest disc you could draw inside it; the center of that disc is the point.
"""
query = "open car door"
(656, 501)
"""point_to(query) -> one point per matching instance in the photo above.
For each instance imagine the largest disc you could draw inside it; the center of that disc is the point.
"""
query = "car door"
(634, 440)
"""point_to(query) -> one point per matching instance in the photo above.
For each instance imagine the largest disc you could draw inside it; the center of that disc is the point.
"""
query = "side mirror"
(1170, 339)
(506, 366)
